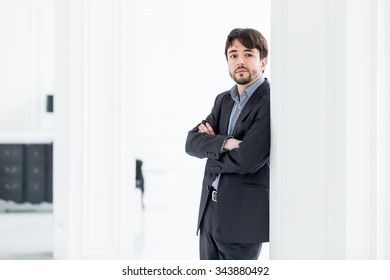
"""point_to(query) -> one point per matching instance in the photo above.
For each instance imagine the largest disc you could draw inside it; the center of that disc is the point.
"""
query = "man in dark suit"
(235, 138)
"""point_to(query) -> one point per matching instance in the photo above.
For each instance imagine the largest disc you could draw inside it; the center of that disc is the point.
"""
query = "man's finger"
(202, 128)
(210, 129)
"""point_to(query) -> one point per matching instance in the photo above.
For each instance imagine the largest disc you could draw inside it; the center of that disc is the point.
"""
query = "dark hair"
(250, 38)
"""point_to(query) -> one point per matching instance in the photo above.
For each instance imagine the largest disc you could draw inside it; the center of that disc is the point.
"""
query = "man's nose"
(240, 61)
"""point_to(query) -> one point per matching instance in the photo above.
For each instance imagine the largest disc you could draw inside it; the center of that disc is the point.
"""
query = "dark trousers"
(213, 249)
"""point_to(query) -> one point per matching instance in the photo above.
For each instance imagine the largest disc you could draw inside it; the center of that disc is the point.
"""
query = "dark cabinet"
(11, 172)
(26, 172)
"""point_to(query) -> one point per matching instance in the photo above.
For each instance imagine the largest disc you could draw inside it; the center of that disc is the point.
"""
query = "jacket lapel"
(253, 100)
(226, 108)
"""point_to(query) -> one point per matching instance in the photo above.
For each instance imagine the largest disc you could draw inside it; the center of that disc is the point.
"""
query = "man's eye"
(233, 56)
(249, 54)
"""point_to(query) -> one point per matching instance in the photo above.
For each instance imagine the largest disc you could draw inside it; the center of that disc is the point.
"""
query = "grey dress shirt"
(239, 104)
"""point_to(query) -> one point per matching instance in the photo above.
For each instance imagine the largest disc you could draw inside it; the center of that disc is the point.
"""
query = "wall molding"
(96, 203)
(381, 122)
(20, 48)
(28, 66)
(291, 106)
(346, 126)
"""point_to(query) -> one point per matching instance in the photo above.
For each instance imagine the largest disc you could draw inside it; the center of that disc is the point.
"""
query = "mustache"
(241, 67)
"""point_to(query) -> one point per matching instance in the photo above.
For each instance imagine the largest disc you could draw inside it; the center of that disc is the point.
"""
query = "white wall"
(384, 159)
(329, 129)
(94, 166)
(26, 69)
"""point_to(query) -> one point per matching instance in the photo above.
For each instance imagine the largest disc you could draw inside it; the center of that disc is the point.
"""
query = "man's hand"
(231, 144)
(206, 128)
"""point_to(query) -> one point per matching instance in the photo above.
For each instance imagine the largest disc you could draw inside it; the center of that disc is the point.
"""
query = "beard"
(242, 78)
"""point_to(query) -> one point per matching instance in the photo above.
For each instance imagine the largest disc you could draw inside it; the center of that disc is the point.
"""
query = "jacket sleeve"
(253, 152)
(202, 145)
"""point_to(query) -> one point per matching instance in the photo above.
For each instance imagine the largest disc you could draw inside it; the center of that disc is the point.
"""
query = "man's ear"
(263, 63)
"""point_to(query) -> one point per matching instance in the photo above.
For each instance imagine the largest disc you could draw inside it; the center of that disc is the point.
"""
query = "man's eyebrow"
(246, 50)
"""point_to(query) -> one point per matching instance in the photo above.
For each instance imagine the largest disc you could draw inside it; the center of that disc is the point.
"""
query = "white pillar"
(329, 129)
(382, 129)
(94, 176)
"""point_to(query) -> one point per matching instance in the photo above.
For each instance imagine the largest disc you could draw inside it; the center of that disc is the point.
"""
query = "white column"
(329, 129)
(382, 128)
(94, 174)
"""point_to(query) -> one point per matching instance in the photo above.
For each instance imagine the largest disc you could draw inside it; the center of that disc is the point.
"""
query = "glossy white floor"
(166, 228)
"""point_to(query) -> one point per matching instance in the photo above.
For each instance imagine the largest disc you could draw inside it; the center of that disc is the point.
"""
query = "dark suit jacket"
(243, 190)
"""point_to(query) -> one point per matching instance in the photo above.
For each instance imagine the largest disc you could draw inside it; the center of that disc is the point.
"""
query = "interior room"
(177, 69)
(91, 86)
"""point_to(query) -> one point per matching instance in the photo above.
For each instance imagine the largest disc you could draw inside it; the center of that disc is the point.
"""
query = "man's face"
(244, 64)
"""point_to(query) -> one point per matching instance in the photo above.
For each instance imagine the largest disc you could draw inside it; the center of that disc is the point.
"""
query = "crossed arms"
(229, 144)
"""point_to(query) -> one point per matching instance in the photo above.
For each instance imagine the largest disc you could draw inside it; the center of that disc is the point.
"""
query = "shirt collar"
(248, 92)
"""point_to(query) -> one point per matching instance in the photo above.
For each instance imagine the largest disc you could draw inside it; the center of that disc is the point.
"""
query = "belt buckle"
(214, 196)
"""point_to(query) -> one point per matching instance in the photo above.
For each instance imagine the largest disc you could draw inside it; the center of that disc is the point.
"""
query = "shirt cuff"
(223, 144)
